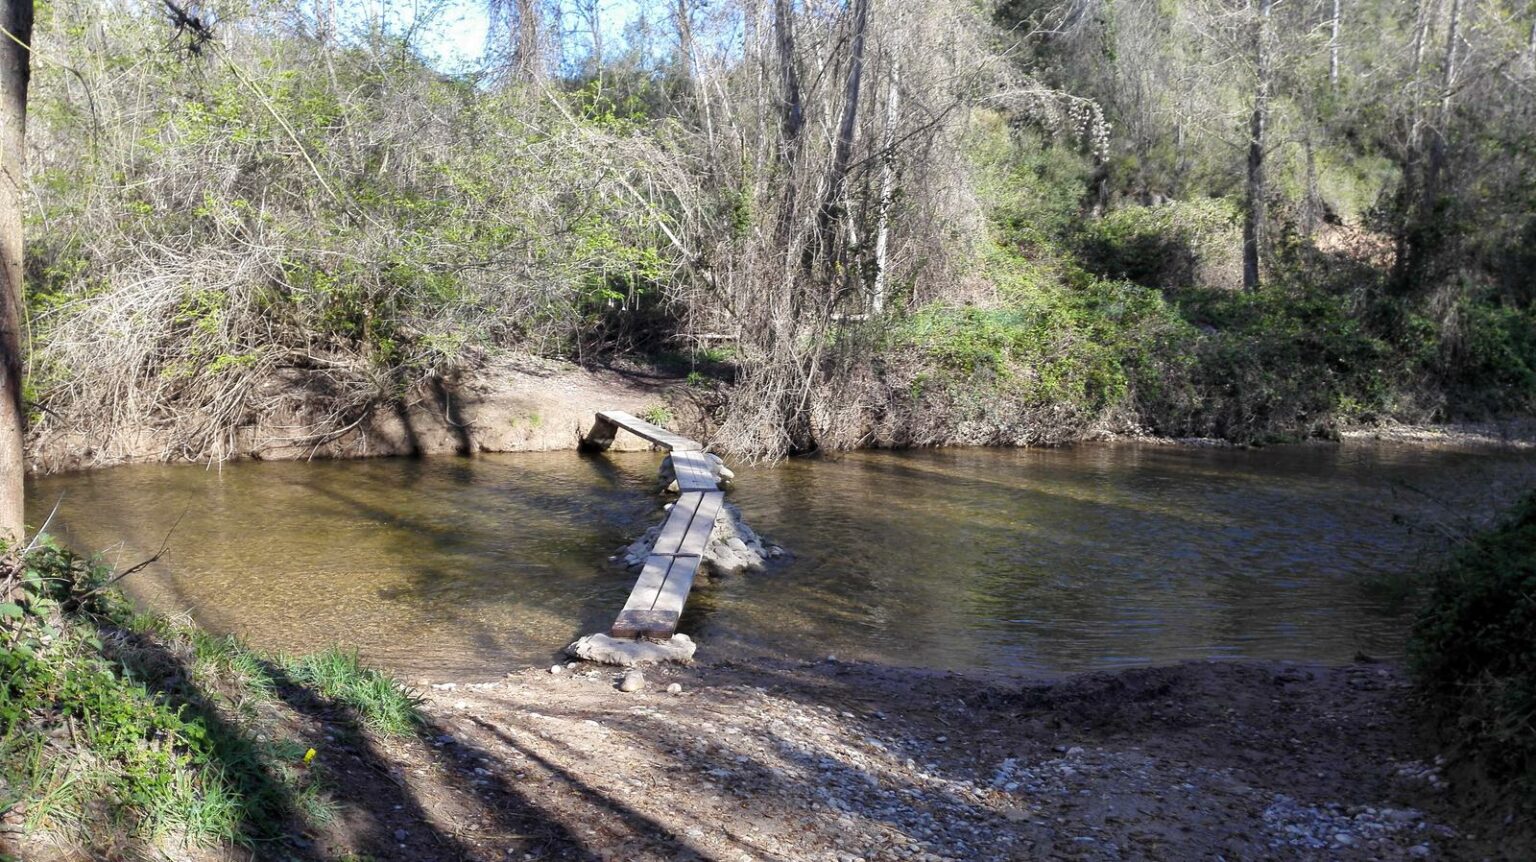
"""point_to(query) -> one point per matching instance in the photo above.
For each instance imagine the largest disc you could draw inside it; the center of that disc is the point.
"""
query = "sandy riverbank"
(776, 760)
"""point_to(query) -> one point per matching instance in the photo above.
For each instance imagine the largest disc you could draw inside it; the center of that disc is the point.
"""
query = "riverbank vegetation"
(1023, 222)
(121, 732)
(1475, 652)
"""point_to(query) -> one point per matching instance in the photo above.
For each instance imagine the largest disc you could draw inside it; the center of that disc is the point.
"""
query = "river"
(1020, 561)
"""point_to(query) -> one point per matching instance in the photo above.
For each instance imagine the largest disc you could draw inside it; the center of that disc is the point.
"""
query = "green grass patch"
(381, 702)
(117, 726)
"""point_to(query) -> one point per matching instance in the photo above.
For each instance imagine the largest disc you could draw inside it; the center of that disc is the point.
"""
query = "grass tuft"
(382, 703)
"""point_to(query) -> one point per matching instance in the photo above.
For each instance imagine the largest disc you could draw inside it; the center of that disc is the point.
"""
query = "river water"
(1030, 561)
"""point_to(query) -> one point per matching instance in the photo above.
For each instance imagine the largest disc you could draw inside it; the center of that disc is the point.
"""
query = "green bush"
(1058, 351)
(1474, 649)
(1489, 362)
(1178, 244)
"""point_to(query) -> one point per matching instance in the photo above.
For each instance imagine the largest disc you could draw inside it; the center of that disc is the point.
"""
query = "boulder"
(623, 652)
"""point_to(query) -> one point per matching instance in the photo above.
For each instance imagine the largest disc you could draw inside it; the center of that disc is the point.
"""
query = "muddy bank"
(1517, 434)
(834, 761)
(510, 405)
(525, 404)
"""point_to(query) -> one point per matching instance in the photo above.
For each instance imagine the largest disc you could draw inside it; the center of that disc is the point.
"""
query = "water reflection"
(1040, 561)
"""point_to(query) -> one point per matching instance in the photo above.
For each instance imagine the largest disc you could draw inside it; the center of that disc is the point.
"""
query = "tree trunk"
(528, 47)
(589, 11)
(1312, 206)
(685, 47)
(1443, 120)
(1254, 214)
(887, 184)
(1408, 196)
(1530, 41)
(1333, 44)
(847, 127)
(790, 107)
(15, 73)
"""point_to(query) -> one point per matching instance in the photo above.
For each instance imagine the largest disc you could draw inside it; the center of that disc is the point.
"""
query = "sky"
(455, 39)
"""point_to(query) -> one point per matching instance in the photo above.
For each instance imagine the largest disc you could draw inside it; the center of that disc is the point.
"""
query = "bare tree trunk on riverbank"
(1253, 212)
(847, 127)
(15, 73)
(1333, 44)
(887, 184)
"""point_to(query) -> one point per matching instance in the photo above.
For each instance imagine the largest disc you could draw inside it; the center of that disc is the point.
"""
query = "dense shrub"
(1178, 244)
(1474, 649)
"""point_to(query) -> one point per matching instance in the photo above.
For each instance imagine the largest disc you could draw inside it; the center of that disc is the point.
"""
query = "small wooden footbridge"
(656, 602)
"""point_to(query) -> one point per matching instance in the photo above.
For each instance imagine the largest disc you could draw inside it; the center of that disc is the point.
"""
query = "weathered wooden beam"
(656, 602)
(693, 472)
(654, 433)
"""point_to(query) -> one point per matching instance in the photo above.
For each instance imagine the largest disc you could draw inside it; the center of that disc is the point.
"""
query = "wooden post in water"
(601, 435)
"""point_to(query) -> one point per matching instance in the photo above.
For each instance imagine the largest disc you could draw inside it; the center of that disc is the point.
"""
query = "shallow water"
(1034, 561)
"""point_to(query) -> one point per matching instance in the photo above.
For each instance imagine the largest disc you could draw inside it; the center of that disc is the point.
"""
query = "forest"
(831, 228)
(870, 224)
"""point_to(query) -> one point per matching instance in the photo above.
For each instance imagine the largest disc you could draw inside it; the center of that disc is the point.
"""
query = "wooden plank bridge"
(656, 602)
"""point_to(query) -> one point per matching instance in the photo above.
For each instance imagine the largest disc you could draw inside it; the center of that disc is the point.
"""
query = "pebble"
(557, 669)
(633, 681)
(401, 834)
(1419, 851)
(674, 688)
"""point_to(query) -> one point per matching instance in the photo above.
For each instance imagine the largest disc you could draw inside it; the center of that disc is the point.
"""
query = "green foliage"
(1033, 190)
(138, 756)
(1179, 244)
(1058, 340)
(657, 414)
(1489, 361)
(380, 702)
(116, 723)
(1474, 649)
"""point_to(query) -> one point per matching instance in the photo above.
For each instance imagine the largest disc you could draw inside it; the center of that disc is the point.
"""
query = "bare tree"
(887, 185)
(527, 31)
(792, 111)
(847, 127)
(1333, 43)
(1254, 210)
(591, 15)
(1438, 134)
(1530, 41)
(15, 73)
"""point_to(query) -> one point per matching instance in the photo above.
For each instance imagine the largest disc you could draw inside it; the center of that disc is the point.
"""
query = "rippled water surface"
(1033, 561)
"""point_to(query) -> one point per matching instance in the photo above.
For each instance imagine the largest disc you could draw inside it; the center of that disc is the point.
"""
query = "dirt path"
(833, 761)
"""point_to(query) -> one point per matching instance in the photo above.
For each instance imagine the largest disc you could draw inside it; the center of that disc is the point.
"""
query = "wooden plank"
(675, 528)
(656, 602)
(693, 472)
(674, 590)
(654, 433)
(653, 575)
(644, 624)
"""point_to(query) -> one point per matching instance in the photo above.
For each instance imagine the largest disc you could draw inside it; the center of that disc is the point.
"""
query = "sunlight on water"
(1033, 561)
